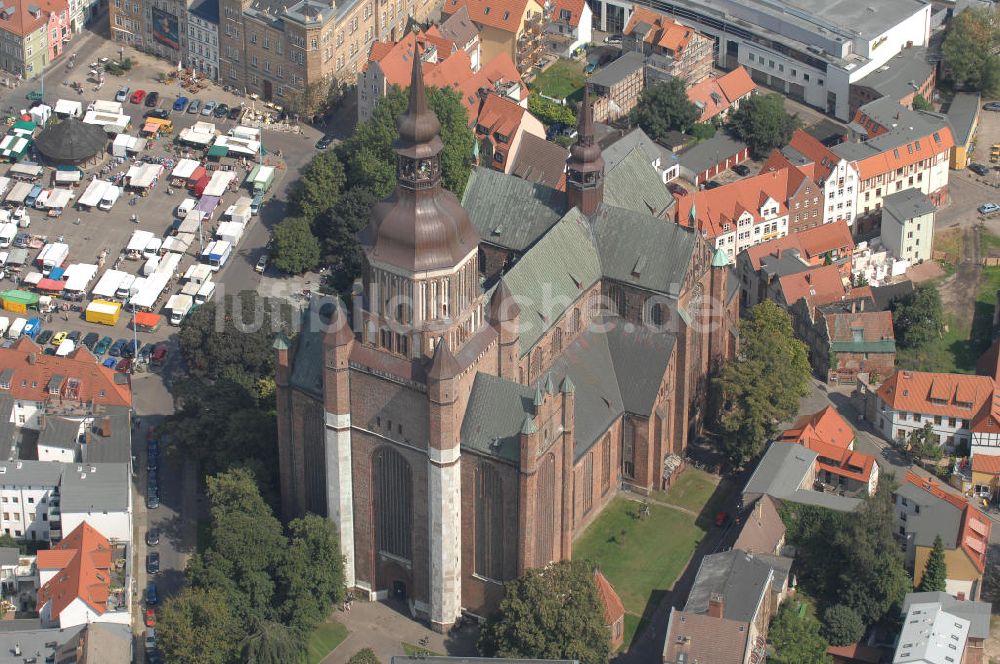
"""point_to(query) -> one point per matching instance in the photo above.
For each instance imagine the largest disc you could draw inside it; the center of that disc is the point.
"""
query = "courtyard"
(564, 79)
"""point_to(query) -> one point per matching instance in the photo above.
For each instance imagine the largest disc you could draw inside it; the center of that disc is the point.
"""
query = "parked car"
(152, 500)
(74, 336)
(261, 264)
(145, 352)
(90, 341)
(979, 169)
(150, 617)
(159, 355)
(989, 208)
(152, 99)
(712, 184)
(138, 96)
(122, 94)
(235, 112)
(150, 633)
(153, 562)
(44, 337)
(59, 337)
(675, 188)
(992, 106)
(208, 108)
(152, 537)
(131, 348)
(109, 363)
(152, 597)
(613, 39)
(116, 349)
(181, 103)
(124, 365)
(221, 110)
(21, 240)
(159, 113)
(194, 106)
(721, 518)
(103, 345)
(741, 169)
(324, 142)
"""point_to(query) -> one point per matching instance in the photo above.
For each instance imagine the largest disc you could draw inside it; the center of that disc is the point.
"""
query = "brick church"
(511, 361)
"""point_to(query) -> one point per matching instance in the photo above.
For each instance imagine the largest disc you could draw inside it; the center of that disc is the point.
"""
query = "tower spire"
(419, 124)
(585, 165)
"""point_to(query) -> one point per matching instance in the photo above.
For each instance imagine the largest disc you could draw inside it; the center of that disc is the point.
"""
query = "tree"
(339, 233)
(550, 112)
(918, 318)
(936, 570)
(703, 130)
(796, 638)
(296, 249)
(313, 572)
(366, 656)
(318, 188)
(920, 103)
(970, 49)
(763, 385)
(549, 613)
(842, 625)
(198, 627)
(316, 98)
(923, 443)
(762, 123)
(272, 643)
(665, 107)
(368, 157)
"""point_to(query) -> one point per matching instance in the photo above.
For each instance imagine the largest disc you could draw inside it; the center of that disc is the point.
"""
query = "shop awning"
(146, 319)
(51, 285)
(218, 151)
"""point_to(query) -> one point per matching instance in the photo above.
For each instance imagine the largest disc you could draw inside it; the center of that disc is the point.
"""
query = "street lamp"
(135, 337)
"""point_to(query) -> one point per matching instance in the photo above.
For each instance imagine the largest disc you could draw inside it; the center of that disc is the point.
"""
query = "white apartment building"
(203, 38)
(809, 50)
(907, 228)
(28, 490)
(768, 223)
(840, 187)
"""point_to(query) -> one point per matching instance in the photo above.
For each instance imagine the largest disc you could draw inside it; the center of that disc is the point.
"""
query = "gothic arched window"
(489, 522)
(392, 492)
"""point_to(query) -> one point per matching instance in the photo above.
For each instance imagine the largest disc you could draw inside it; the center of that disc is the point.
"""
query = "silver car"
(209, 108)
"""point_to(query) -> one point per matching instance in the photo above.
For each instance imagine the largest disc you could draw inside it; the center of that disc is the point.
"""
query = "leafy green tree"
(796, 638)
(665, 107)
(842, 625)
(296, 249)
(549, 112)
(318, 188)
(313, 572)
(762, 386)
(366, 656)
(368, 157)
(339, 231)
(549, 613)
(923, 443)
(271, 642)
(703, 130)
(199, 626)
(763, 124)
(970, 49)
(918, 318)
(936, 570)
(920, 103)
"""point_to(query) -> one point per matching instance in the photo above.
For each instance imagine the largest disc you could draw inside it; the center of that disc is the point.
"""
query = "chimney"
(861, 305)
(758, 508)
(716, 605)
(106, 427)
(854, 306)
(31, 358)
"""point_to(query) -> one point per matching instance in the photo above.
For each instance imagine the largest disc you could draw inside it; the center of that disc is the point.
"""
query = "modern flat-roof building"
(810, 50)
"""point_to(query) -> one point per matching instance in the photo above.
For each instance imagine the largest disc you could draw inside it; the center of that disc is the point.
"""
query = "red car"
(721, 518)
(124, 365)
(138, 96)
(150, 617)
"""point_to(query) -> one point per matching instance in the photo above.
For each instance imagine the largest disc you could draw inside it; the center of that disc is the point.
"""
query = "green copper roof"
(719, 259)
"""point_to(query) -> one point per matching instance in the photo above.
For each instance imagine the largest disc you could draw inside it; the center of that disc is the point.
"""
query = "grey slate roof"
(977, 613)
(884, 295)
(741, 578)
(936, 517)
(962, 114)
(614, 72)
(508, 211)
(109, 643)
(905, 125)
(117, 448)
(9, 556)
(30, 473)
(8, 430)
(634, 184)
(637, 249)
(32, 640)
(105, 487)
(614, 152)
(640, 358)
(459, 28)
(493, 419)
(780, 473)
(894, 77)
(539, 160)
(908, 204)
(558, 270)
(708, 153)
(207, 10)
(60, 432)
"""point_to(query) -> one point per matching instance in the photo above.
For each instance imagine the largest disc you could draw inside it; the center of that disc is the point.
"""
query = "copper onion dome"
(585, 150)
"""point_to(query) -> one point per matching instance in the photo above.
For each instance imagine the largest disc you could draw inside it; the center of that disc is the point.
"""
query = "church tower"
(585, 165)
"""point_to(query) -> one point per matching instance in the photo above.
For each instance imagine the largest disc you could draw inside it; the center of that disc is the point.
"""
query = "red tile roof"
(614, 610)
(396, 60)
(822, 157)
(911, 152)
(664, 32)
(500, 115)
(574, 7)
(702, 638)
(498, 71)
(874, 325)
(974, 535)
(820, 285)
(986, 463)
(22, 22)
(812, 244)
(831, 437)
(715, 95)
(33, 370)
(84, 560)
(500, 14)
(911, 391)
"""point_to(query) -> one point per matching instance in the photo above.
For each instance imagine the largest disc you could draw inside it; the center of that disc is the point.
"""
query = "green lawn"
(411, 650)
(564, 79)
(324, 638)
(648, 558)
(692, 490)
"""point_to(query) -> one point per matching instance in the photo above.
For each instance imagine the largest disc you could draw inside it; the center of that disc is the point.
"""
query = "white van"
(15, 330)
(186, 206)
(8, 231)
(4, 324)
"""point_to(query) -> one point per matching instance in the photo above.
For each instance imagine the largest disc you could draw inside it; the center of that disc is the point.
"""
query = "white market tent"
(185, 168)
(142, 176)
(14, 146)
(168, 264)
(108, 284)
(19, 192)
(40, 114)
(68, 177)
(138, 241)
(200, 133)
(245, 133)
(68, 108)
(192, 222)
(94, 193)
(4, 185)
(219, 183)
(123, 144)
(115, 121)
(150, 289)
(102, 106)
(179, 243)
(242, 146)
(59, 199)
(78, 276)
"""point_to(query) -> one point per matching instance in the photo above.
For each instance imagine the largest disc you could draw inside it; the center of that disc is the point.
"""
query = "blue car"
(151, 595)
(110, 362)
(181, 103)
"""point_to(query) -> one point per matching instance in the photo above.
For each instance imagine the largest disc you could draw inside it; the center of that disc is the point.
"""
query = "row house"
(836, 177)
(571, 23)
(899, 149)
(760, 266)
(925, 510)
(718, 96)
(511, 27)
(675, 50)
(838, 464)
(203, 38)
(966, 623)
(500, 128)
(33, 33)
(750, 211)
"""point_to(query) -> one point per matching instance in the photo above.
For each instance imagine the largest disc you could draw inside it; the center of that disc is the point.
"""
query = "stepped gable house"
(475, 415)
